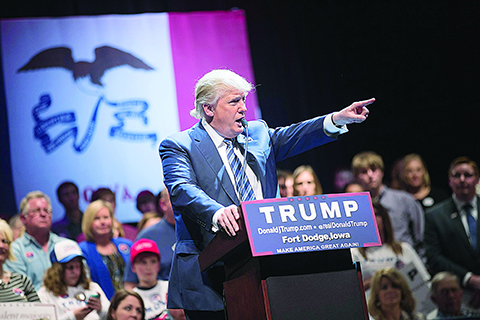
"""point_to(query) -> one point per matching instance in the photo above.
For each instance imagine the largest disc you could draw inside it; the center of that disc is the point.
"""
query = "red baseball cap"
(143, 245)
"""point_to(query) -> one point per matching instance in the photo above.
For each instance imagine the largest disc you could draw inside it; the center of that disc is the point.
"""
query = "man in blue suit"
(202, 185)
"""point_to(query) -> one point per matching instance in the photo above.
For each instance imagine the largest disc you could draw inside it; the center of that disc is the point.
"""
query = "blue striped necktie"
(243, 186)
(472, 225)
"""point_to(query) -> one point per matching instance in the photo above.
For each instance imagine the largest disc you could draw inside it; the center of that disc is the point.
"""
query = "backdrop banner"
(89, 98)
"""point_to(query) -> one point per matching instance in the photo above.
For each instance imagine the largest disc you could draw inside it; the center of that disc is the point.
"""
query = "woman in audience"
(105, 255)
(126, 305)
(148, 219)
(414, 179)
(17, 226)
(391, 298)
(305, 182)
(67, 286)
(14, 287)
(391, 254)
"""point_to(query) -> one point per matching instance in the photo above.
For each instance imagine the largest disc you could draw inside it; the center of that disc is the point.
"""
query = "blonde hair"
(89, 215)
(367, 159)
(407, 302)
(301, 169)
(7, 231)
(215, 84)
(53, 280)
(145, 218)
(405, 161)
(24, 207)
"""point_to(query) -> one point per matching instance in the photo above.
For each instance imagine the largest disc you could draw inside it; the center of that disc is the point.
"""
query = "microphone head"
(244, 123)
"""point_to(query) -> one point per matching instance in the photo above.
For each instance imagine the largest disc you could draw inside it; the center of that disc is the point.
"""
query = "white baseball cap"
(65, 251)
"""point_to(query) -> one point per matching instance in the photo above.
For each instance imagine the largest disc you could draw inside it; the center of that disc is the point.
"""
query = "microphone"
(244, 123)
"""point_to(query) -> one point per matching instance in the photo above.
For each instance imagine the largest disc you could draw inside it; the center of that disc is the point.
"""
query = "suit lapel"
(208, 150)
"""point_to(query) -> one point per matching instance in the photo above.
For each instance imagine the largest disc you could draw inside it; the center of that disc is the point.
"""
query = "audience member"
(17, 226)
(148, 220)
(31, 250)
(68, 287)
(285, 183)
(391, 298)
(163, 233)
(353, 187)
(306, 182)
(120, 230)
(451, 237)
(70, 225)
(145, 260)
(106, 256)
(447, 295)
(405, 213)
(392, 253)
(341, 178)
(146, 201)
(414, 179)
(396, 175)
(126, 305)
(14, 287)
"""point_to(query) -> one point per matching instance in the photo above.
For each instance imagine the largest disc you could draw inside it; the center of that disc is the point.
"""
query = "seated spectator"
(126, 305)
(414, 179)
(163, 233)
(341, 178)
(353, 187)
(33, 247)
(146, 202)
(17, 226)
(121, 230)
(68, 287)
(447, 295)
(148, 220)
(70, 225)
(106, 256)
(14, 287)
(285, 183)
(392, 253)
(305, 182)
(145, 260)
(391, 298)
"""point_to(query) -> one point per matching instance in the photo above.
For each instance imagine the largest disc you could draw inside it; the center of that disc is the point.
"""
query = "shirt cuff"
(215, 227)
(332, 128)
(466, 278)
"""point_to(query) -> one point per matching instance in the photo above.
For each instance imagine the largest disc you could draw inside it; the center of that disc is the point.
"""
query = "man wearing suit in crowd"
(201, 181)
(450, 242)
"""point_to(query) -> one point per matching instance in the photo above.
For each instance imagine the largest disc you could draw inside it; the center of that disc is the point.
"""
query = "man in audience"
(163, 233)
(71, 224)
(32, 249)
(146, 202)
(451, 237)
(446, 293)
(406, 214)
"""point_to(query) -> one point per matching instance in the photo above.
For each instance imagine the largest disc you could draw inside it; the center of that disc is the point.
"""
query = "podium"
(309, 285)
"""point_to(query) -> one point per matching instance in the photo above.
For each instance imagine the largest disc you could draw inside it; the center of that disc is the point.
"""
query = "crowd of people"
(90, 265)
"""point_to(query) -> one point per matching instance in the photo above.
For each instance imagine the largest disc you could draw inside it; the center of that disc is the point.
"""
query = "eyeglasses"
(466, 175)
(40, 210)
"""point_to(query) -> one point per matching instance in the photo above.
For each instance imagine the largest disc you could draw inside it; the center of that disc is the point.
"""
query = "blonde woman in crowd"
(105, 255)
(14, 287)
(391, 298)
(306, 182)
(67, 286)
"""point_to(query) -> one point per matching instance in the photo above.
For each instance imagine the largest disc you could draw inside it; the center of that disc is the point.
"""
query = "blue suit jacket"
(199, 185)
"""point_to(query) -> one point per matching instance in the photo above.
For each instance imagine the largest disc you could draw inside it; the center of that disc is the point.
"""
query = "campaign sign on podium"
(312, 223)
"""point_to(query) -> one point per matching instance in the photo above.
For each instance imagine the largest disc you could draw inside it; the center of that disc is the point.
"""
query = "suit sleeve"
(181, 180)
